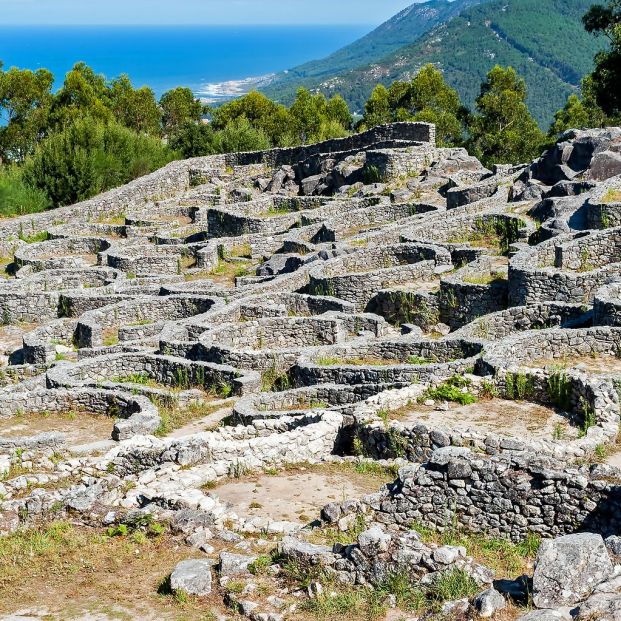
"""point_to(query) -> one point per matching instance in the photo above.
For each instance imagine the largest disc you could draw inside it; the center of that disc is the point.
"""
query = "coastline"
(216, 92)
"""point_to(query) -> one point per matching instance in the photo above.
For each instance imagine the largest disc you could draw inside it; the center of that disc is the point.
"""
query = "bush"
(18, 198)
(450, 392)
(88, 157)
(194, 140)
(239, 135)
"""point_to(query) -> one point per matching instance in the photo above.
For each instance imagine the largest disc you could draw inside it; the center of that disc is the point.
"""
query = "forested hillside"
(404, 28)
(544, 40)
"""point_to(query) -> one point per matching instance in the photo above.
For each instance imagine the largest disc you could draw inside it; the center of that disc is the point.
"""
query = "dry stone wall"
(373, 300)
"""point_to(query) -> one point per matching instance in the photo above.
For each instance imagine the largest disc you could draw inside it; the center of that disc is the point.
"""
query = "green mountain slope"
(542, 39)
(402, 29)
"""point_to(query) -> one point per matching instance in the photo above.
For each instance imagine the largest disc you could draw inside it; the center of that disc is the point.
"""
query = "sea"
(216, 62)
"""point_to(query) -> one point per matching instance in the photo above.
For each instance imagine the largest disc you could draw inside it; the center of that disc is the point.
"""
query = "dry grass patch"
(506, 559)
(110, 337)
(175, 416)
(486, 279)
(224, 273)
(185, 263)
(477, 239)
(296, 493)
(596, 363)
(242, 251)
(612, 196)
(113, 218)
(362, 473)
(370, 361)
(68, 570)
(78, 425)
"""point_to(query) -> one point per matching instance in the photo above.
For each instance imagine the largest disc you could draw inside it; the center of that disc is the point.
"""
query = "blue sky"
(198, 11)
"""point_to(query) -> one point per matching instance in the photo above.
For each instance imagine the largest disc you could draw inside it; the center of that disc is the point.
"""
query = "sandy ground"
(11, 339)
(599, 365)
(79, 427)
(43, 614)
(293, 497)
(614, 459)
(511, 418)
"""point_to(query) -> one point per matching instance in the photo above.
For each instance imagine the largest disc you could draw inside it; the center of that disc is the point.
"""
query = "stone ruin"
(373, 299)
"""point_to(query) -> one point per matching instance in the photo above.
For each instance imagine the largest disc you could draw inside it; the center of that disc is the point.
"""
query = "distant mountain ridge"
(402, 29)
(542, 39)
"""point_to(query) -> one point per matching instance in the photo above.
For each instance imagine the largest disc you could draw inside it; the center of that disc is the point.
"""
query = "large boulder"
(459, 196)
(9, 522)
(192, 577)
(349, 171)
(605, 165)
(304, 553)
(280, 264)
(488, 603)
(235, 564)
(280, 178)
(188, 521)
(568, 569)
(604, 604)
(576, 152)
(311, 185)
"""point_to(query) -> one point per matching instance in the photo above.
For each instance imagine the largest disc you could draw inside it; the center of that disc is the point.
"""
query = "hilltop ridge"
(544, 40)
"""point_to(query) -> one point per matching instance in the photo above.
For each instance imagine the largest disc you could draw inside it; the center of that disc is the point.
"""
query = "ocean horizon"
(215, 62)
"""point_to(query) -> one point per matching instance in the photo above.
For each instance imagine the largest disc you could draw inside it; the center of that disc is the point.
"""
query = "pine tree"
(504, 131)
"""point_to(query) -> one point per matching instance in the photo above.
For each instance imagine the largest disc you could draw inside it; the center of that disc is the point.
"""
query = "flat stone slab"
(192, 577)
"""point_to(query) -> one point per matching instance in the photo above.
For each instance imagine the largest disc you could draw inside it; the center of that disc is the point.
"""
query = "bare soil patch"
(79, 427)
(299, 493)
(180, 220)
(509, 418)
(11, 338)
(599, 364)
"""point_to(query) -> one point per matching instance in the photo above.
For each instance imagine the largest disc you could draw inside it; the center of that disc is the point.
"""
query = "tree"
(312, 115)
(25, 99)
(134, 108)
(426, 98)
(240, 135)
(573, 115)
(89, 156)
(84, 93)
(606, 77)
(430, 99)
(398, 96)
(580, 112)
(271, 118)
(179, 107)
(503, 131)
(377, 110)
(194, 140)
(338, 112)
(16, 197)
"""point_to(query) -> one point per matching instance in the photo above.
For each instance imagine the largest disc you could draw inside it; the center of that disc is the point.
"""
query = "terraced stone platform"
(353, 356)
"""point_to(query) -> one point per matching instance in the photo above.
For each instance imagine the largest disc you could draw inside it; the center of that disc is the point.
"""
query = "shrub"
(449, 392)
(88, 157)
(240, 135)
(17, 197)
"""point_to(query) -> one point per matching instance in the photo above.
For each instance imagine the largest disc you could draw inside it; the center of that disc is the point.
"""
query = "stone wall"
(462, 299)
(500, 496)
(382, 136)
(440, 358)
(607, 305)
